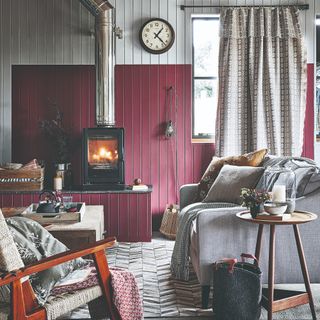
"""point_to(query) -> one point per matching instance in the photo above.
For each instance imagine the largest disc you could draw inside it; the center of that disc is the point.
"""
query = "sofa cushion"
(252, 159)
(227, 186)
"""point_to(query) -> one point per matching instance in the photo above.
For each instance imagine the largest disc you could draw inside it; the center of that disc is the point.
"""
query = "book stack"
(140, 187)
(273, 217)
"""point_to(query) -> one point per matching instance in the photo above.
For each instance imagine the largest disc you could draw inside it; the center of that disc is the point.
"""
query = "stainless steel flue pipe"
(105, 31)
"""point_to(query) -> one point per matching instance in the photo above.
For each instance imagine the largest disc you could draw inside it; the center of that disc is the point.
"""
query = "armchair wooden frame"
(24, 305)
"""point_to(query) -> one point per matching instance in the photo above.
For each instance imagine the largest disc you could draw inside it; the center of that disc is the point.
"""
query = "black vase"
(254, 210)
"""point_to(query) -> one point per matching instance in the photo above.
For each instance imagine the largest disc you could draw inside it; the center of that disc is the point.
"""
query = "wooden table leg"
(259, 241)
(304, 270)
(271, 270)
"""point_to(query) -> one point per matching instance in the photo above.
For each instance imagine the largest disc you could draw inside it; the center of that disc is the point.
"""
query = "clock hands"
(156, 35)
(161, 40)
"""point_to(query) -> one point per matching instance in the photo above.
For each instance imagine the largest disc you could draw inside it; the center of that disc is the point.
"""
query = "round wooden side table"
(278, 300)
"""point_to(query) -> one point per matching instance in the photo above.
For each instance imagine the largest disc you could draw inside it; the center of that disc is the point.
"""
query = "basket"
(22, 180)
(239, 289)
(169, 222)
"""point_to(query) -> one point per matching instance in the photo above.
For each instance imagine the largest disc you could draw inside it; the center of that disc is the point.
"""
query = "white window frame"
(197, 138)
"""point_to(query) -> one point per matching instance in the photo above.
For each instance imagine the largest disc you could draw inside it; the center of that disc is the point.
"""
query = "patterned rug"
(164, 297)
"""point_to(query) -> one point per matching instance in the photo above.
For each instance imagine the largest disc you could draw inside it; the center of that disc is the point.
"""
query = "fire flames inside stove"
(103, 153)
(103, 158)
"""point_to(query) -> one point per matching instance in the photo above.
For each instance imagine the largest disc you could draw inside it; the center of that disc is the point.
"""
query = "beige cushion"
(252, 159)
(227, 186)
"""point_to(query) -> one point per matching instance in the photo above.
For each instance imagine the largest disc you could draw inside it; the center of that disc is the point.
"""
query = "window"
(205, 53)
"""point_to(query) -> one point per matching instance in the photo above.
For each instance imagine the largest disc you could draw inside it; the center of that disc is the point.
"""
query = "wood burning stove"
(103, 158)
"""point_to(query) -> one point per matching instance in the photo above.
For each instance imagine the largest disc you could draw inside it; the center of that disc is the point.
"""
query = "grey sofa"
(218, 233)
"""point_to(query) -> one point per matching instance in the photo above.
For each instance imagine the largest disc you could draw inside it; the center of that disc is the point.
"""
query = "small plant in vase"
(254, 200)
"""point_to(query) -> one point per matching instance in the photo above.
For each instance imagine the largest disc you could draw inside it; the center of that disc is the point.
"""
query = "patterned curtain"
(262, 81)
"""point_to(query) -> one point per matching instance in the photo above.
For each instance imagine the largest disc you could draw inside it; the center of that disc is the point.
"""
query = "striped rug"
(164, 297)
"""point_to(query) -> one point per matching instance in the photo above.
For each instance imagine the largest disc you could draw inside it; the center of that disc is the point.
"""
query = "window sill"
(202, 140)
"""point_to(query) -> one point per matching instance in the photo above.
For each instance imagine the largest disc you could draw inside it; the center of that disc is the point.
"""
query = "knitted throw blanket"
(125, 296)
(180, 256)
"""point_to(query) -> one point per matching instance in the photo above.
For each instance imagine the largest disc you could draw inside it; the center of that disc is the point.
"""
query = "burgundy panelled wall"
(141, 108)
(72, 88)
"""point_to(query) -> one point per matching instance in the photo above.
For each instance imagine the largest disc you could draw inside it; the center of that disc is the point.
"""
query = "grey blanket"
(180, 256)
(306, 171)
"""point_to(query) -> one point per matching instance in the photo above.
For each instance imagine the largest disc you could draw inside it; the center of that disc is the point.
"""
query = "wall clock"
(156, 36)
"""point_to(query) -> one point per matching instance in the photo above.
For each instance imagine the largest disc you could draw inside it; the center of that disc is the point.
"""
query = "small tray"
(60, 217)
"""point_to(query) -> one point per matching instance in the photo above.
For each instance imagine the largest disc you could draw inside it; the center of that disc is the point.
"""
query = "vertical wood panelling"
(149, 154)
(162, 110)
(145, 15)
(113, 213)
(5, 84)
(129, 33)
(123, 214)
(136, 23)
(39, 32)
(59, 32)
(133, 222)
(72, 88)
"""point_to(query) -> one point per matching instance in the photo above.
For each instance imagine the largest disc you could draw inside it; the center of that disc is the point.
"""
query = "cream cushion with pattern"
(9, 256)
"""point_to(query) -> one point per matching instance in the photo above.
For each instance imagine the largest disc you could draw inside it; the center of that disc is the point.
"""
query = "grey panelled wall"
(132, 13)
(60, 32)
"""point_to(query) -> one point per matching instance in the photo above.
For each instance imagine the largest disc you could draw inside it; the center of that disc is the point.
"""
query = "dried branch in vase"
(56, 135)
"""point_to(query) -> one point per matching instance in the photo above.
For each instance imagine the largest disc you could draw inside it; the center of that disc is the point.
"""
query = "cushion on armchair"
(227, 186)
(253, 159)
(35, 243)
(10, 259)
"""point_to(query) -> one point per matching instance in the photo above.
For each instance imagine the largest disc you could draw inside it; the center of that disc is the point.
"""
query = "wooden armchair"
(24, 304)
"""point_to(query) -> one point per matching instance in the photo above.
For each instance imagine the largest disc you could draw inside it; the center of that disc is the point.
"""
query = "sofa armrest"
(218, 232)
(309, 202)
(188, 194)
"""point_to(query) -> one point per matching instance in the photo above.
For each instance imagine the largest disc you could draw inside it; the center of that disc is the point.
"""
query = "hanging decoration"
(170, 129)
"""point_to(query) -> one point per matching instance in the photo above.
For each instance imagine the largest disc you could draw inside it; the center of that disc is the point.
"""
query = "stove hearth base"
(103, 187)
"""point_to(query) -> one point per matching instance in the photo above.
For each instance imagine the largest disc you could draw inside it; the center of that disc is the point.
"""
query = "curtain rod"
(299, 6)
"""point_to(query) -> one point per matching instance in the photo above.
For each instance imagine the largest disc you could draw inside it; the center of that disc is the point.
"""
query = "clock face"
(156, 36)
